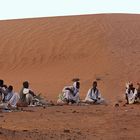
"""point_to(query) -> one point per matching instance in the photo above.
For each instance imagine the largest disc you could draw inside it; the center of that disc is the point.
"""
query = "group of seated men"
(10, 99)
(70, 94)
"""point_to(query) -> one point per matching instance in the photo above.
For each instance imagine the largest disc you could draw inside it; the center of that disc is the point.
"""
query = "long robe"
(14, 100)
(69, 93)
(93, 96)
(131, 95)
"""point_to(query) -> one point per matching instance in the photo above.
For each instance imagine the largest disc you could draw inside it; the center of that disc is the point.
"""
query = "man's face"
(78, 85)
(94, 85)
(131, 86)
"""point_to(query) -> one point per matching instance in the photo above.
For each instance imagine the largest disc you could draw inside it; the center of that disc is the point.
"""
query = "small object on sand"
(117, 105)
(75, 79)
(44, 107)
(66, 131)
(120, 101)
(79, 133)
(1, 133)
(74, 111)
(25, 130)
(124, 105)
(98, 79)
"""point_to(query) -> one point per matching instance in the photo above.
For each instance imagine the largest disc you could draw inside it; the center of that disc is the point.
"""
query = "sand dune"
(49, 52)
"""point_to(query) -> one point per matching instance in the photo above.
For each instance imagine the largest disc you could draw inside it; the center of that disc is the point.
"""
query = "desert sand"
(49, 52)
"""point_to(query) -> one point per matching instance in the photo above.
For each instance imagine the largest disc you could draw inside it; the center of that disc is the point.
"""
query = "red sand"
(49, 52)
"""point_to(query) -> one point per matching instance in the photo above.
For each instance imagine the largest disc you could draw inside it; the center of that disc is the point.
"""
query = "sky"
(15, 9)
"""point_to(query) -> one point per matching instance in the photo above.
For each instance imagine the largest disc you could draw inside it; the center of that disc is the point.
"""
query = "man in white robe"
(8, 93)
(70, 94)
(94, 95)
(26, 94)
(130, 94)
(14, 100)
(11, 99)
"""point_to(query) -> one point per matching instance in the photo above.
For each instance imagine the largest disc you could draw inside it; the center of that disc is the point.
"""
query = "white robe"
(93, 96)
(14, 100)
(67, 94)
(131, 96)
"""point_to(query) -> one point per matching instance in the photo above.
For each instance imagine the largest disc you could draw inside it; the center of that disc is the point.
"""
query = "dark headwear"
(1, 83)
(10, 88)
(25, 84)
(5, 86)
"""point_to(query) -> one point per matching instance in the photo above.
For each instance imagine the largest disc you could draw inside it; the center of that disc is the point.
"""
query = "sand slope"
(49, 52)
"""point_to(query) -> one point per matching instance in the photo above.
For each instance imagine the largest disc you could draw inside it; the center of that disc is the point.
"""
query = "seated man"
(93, 95)
(130, 93)
(8, 93)
(26, 95)
(70, 94)
(12, 98)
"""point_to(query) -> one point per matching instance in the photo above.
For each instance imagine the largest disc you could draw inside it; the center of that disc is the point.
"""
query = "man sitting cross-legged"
(94, 96)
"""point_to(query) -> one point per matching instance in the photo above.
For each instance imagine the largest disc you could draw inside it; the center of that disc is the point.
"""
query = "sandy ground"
(49, 52)
(72, 123)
